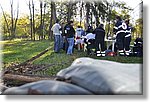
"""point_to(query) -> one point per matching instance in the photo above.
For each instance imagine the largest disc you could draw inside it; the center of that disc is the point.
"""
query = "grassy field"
(18, 51)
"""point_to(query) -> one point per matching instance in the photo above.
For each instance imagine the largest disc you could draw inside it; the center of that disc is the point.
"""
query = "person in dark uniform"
(138, 47)
(127, 39)
(99, 38)
(120, 31)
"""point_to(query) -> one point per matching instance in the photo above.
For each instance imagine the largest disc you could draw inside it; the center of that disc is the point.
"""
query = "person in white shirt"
(90, 36)
(78, 37)
(57, 31)
(89, 39)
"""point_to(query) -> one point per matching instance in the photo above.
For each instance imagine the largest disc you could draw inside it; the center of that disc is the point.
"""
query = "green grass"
(122, 59)
(18, 51)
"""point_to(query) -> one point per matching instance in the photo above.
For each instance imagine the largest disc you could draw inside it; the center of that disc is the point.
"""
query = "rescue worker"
(99, 38)
(127, 39)
(120, 31)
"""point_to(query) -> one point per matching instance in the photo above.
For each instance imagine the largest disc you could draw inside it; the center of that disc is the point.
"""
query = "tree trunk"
(24, 78)
(107, 34)
(44, 21)
(69, 12)
(33, 21)
(52, 19)
(81, 9)
(16, 19)
(31, 27)
(87, 6)
(41, 22)
(12, 20)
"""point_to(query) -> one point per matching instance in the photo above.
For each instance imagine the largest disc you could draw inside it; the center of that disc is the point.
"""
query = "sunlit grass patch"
(20, 51)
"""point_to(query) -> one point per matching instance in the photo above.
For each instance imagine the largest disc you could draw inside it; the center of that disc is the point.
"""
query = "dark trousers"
(101, 43)
(90, 46)
(127, 41)
(120, 41)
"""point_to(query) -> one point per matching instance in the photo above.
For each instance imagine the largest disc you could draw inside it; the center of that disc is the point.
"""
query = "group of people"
(122, 30)
(63, 37)
(67, 37)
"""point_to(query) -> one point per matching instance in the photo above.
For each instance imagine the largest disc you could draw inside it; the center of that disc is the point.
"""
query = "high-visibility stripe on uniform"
(128, 35)
(120, 51)
(98, 52)
(103, 55)
(124, 26)
(139, 42)
(103, 52)
(128, 31)
(121, 31)
(128, 52)
(120, 26)
(115, 27)
(98, 55)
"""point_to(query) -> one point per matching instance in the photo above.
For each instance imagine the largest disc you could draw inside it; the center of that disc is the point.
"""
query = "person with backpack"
(56, 29)
(70, 34)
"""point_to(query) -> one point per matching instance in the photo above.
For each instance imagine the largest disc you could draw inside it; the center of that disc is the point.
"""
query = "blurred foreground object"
(88, 76)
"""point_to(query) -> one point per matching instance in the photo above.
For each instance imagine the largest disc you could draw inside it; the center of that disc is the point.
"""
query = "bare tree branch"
(5, 18)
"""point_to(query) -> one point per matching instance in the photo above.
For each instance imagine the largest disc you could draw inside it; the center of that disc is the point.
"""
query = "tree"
(13, 19)
(139, 28)
(6, 22)
(52, 18)
(87, 8)
(42, 14)
(31, 23)
(33, 20)
(23, 28)
(11, 29)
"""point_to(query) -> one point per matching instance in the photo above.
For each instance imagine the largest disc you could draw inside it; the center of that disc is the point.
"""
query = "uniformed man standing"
(120, 31)
(127, 39)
